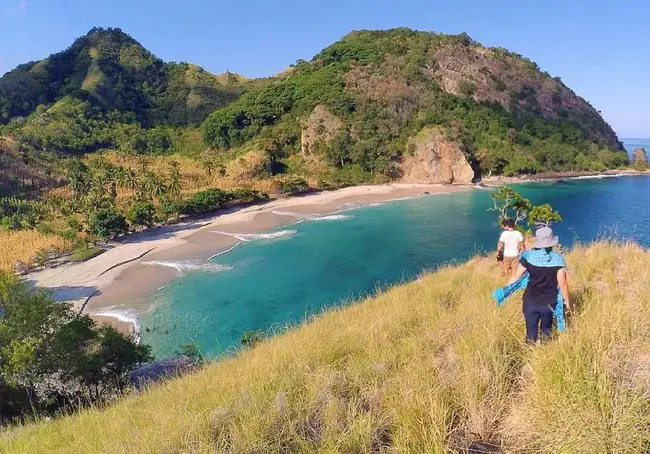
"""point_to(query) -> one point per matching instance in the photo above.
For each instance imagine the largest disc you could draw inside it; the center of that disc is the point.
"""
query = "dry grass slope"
(427, 367)
(21, 245)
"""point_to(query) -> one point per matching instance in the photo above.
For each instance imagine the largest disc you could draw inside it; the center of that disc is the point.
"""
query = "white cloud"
(20, 8)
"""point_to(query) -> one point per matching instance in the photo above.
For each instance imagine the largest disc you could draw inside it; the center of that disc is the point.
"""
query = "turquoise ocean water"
(268, 283)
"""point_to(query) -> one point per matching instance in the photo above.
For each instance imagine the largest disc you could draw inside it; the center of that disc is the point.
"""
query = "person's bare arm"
(499, 246)
(519, 271)
(564, 287)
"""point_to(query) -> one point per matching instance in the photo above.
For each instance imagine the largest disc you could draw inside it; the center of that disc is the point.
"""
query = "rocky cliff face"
(497, 75)
(436, 159)
(639, 156)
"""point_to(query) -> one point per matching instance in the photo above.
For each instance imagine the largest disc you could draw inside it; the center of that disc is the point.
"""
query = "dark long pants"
(534, 314)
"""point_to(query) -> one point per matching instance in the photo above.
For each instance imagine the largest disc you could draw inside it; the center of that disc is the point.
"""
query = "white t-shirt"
(511, 240)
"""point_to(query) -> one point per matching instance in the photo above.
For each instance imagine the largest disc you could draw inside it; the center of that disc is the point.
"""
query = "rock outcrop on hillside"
(153, 372)
(517, 84)
(639, 156)
(436, 159)
(320, 126)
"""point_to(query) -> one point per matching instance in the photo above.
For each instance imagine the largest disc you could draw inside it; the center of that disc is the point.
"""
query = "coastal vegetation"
(429, 366)
(54, 360)
(104, 138)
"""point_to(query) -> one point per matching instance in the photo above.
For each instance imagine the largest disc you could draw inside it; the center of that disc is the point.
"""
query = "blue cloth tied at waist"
(501, 294)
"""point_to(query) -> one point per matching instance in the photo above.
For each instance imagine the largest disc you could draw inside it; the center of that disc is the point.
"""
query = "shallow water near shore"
(277, 279)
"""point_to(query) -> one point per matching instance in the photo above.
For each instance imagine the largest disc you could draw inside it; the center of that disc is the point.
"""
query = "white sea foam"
(594, 177)
(401, 199)
(313, 217)
(333, 217)
(257, 236)
(224, 252)
(124, 315)
(183, 266)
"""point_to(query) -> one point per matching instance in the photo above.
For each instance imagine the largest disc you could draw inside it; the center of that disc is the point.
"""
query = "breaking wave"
(257, 236)
(594, 177)
(123, 315)
(313, 217)
(223, 252)
(183, 266)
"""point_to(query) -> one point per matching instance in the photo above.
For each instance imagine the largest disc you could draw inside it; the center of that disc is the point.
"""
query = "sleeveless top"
(542, 267)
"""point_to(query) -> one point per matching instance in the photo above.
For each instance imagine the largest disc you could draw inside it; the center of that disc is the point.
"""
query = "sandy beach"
(113, 287)
(497, 181)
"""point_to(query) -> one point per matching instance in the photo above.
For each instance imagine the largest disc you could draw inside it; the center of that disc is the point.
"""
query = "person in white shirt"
(510, 245)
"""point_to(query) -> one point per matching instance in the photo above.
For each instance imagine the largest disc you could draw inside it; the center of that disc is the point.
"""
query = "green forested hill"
(113, 72)
(382, 87)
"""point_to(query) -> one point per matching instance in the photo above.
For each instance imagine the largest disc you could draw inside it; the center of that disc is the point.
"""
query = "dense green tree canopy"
(51, 358)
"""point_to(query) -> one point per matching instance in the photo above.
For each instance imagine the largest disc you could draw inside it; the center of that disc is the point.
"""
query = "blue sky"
(599, 48)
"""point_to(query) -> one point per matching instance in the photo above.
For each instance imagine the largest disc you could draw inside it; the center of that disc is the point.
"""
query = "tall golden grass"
(427, 367)
(21, 245)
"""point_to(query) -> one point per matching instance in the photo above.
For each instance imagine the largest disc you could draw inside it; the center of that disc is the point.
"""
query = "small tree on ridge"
(509, 204)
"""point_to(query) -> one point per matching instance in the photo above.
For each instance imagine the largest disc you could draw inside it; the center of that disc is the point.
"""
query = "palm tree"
(131, 179)
(78, 177)
(40, 257)
(98, 183)
(174, 179)
(154, 185)
(208, 166)
(124, 151)
(113, 190)
(78, 184)
(118, 176)
(143, 163)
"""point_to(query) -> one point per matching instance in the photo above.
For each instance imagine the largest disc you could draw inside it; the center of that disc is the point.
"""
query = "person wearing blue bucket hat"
(546, 275)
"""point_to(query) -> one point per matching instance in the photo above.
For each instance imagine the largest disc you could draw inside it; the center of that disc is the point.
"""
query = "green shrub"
(10, 223)
(467, 88)
(44, 228)
(293, 186)
(204, 201)
(107, 223)
(85, 253)
(74, 224)
(69, 235)
(251, 338)
(141, 214)
(169, 208)
(45, 343)
(247, 196)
